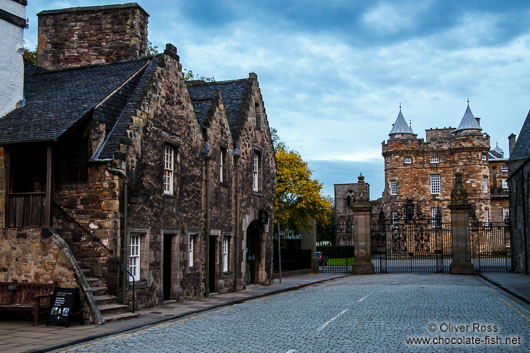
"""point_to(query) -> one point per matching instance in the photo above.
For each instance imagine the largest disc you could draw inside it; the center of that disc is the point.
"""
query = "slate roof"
(57, 100)
(400, 126)
(233, 93)
(521, 150)
(468, 121)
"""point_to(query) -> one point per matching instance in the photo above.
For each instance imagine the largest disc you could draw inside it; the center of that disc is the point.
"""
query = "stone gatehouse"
(135, 167)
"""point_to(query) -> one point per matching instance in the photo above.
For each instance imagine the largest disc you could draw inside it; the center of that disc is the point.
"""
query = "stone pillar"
(361, 229)
(460, 228)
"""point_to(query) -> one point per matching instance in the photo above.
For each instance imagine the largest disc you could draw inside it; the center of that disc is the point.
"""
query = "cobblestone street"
(355, 314)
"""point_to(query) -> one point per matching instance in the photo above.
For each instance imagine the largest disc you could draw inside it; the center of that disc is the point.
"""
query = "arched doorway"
(253, 252)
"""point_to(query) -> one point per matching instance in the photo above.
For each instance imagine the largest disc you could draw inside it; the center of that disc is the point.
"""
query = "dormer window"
(408, 160)
(434, 160)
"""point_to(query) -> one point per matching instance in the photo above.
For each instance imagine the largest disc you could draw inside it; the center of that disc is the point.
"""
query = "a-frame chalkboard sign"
(65, 307)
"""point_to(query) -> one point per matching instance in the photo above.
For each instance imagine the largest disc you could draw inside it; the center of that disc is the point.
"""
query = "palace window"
(226, 247)
(134, 256)
(484, 157)
(169, 162)
(504, 183)
(506, 215)
(485, 184)
(435, 184)
(436, 217)
(487, 216)
(395, 219)
(504, 169)
(408, 160)
(393, 187)
(255, 172)
(434, 160)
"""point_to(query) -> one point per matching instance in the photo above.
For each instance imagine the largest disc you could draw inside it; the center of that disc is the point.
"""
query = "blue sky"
(333, 73)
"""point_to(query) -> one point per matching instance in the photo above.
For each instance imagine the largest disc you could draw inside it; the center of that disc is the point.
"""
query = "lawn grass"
(342, 261)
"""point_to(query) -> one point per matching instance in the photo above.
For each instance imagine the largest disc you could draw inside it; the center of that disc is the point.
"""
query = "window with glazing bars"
(169, 162)
(190, 251)
(255, 172)
(435, 184)
(226, 243)
(434, 160)
(436, 217)
(393, 187)
(485, 184)
(134, 256)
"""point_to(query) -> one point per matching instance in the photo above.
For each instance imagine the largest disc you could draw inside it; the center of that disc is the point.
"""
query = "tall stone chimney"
(511, 143)
(91, 35)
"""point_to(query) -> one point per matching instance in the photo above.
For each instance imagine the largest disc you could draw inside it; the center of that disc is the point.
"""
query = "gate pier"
(361, 231)
(460, 228)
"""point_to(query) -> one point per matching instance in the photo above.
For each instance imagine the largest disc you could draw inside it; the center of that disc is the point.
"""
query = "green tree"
(152, 49)
(190, 76)
(298, 196)
(30, 56)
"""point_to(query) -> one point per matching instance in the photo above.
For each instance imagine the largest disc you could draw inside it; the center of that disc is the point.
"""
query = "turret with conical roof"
(400, 129)
(468, 124)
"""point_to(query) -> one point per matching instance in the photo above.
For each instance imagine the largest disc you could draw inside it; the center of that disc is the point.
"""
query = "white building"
(12, 25)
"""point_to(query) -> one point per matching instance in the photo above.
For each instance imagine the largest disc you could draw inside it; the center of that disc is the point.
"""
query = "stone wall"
(166, 118)
(32, 255)
(520, 215)
(95, 206)
(252, 139)
(222, 193)
(91, 35)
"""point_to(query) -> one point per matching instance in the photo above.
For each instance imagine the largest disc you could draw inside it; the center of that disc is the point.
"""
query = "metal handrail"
(96, 239)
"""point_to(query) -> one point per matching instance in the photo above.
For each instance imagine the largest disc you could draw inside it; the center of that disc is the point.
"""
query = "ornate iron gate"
(407, 244)
(490, 246)
(411, 245)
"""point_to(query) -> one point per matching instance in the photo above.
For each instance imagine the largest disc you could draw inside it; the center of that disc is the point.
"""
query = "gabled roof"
(521, 150)
(233, 93)
(400, 126)
(57, 100)
(468, 121)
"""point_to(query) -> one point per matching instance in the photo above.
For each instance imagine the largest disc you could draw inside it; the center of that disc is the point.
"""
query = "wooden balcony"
(26, 209)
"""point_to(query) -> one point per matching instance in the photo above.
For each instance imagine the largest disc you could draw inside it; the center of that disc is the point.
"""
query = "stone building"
(344, 213)
(134, 167)
(422, 171)
(519, 182)
(12, 25)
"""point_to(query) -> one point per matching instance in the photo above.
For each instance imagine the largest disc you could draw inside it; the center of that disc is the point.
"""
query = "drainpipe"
(207, 217)
(236, 233)
(125, 259)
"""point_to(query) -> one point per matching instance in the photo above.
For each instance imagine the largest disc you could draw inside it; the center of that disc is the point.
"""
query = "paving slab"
(516, 284)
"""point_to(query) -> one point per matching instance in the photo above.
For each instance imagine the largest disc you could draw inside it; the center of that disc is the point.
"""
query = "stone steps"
(118, 317)
(105, 299)
(112, 309)
(108, 305)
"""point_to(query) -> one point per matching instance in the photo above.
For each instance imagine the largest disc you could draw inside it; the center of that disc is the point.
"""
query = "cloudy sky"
(333, 73)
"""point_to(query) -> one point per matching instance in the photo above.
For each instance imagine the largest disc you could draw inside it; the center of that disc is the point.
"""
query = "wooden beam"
(48, 209)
